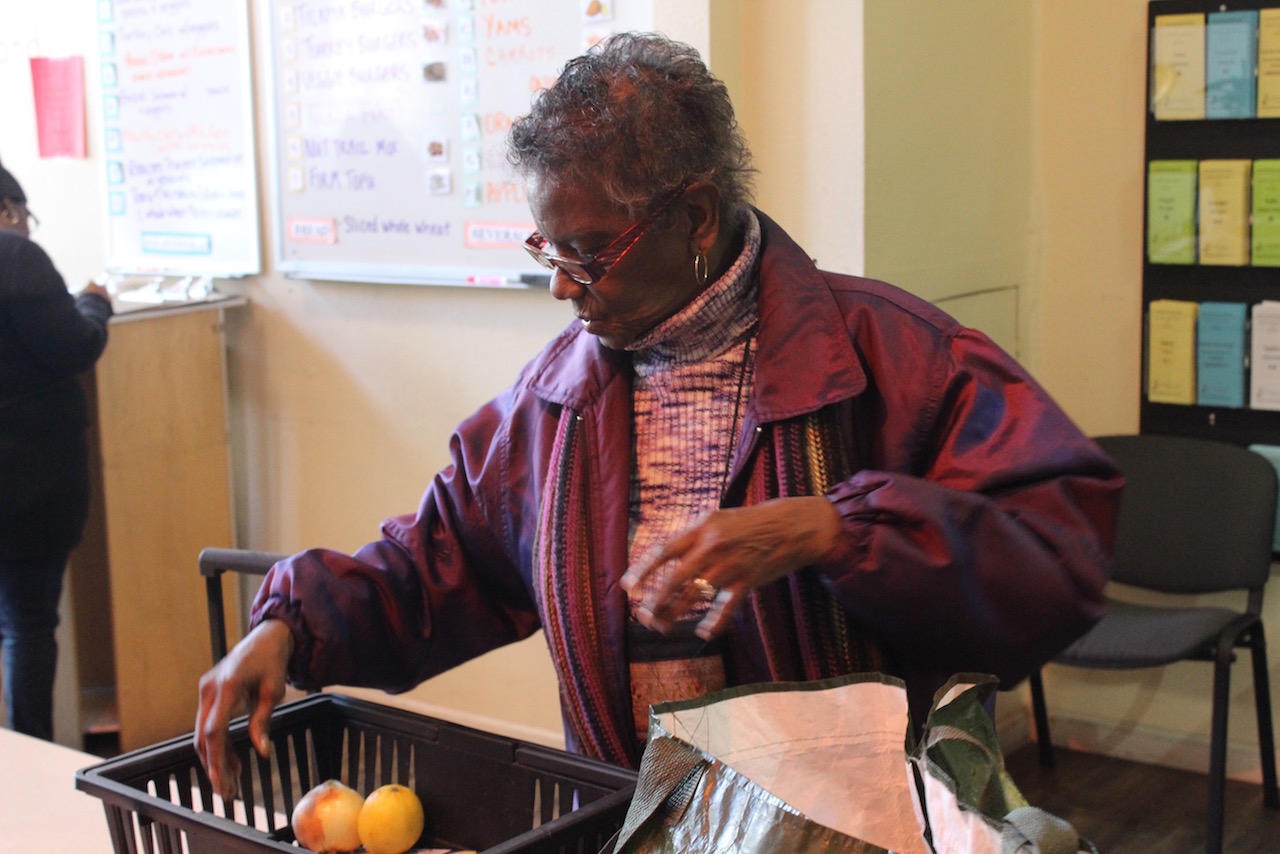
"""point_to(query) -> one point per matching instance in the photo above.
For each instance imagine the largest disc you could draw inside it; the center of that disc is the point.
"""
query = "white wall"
(65, 194)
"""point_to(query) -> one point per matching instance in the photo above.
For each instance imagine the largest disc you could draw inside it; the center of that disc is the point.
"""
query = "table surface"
(40, 808)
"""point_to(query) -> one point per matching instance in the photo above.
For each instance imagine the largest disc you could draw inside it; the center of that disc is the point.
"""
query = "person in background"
(47, 337)
(732, 467)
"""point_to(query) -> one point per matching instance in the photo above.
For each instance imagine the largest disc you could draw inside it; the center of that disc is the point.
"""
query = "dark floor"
(1130, 808)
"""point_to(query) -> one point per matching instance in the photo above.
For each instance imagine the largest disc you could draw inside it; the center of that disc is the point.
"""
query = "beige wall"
(1085, 313)
(949, 129)
(1020, 178)
(803, 116)
(1086, 333)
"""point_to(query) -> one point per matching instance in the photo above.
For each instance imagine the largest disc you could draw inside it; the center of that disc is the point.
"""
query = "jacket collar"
(804, 357)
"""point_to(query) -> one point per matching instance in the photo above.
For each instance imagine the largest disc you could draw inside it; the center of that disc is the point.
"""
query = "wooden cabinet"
(162, 492)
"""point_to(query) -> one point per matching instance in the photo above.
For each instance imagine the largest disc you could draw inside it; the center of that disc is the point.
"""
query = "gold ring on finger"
(705, 588)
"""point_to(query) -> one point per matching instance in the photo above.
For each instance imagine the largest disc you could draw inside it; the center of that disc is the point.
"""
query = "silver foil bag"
(830, 766)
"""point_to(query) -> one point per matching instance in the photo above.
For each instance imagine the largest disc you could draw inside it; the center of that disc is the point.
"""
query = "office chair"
(1197, 516)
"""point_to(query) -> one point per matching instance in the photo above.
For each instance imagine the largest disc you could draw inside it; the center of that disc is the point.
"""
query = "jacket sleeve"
(61, 334)
(439, 588)
(985, 542)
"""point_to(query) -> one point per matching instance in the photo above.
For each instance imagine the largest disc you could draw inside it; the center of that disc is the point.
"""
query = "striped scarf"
(790, 630)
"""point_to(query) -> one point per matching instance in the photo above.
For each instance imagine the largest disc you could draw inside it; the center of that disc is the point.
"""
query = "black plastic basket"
(479, 790)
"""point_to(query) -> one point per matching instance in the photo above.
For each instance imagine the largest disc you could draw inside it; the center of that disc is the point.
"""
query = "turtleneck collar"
(715, 320)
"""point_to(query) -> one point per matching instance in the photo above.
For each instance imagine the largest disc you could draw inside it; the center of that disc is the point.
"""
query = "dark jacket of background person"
(47, 337)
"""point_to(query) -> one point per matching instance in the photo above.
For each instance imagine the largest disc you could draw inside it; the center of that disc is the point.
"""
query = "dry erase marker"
(486, 280)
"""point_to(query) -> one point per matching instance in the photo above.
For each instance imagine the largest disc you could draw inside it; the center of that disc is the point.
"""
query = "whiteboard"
(178, 137)
(388, 125)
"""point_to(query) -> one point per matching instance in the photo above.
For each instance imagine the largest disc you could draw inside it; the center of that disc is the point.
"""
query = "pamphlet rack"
(1248, 135)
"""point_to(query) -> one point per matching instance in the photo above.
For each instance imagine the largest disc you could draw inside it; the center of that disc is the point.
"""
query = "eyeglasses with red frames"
(592, 268)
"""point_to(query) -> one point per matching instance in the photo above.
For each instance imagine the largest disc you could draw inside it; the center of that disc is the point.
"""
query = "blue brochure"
(1220, 353)
(1231, 60)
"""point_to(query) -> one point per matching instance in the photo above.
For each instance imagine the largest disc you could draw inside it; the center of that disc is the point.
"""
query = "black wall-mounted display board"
(1205, 139)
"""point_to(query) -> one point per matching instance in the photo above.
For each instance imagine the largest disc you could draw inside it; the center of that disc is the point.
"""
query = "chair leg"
(1266, 731)
(1218, 748)
(1043, 739)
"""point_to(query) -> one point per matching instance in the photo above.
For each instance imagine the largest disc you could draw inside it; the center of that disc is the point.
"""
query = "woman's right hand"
(95, 289)
(252, 677)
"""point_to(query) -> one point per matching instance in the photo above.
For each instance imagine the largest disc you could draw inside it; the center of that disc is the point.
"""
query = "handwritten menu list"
(178, 136)
(389, 118)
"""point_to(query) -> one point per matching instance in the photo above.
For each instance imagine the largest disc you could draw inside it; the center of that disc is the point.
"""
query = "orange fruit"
(391, 820)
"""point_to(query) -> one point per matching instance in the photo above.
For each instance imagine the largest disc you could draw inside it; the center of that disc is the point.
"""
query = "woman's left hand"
(734, 550)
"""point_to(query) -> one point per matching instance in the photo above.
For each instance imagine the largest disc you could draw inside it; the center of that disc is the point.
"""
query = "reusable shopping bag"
(830, 766)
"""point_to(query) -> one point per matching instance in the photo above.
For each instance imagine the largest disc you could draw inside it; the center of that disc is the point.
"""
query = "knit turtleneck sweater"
(692, 378)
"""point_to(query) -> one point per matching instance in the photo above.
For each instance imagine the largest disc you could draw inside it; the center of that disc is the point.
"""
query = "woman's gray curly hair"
(637, 115)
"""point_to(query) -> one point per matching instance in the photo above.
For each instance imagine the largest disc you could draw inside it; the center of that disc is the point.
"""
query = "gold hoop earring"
(700, 271)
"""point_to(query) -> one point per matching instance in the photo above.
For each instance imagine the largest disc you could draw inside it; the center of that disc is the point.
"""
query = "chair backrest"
(1196, 516)
(214, 562)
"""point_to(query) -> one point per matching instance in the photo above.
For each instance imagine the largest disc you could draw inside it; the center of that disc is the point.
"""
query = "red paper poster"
(59, 94)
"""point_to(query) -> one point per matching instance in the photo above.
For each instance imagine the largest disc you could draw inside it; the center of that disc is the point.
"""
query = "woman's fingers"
(728, 553)
(252, 676)
(212, 736)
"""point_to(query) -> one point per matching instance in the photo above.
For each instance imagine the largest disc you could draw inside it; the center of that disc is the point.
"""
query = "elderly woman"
(731, 468)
